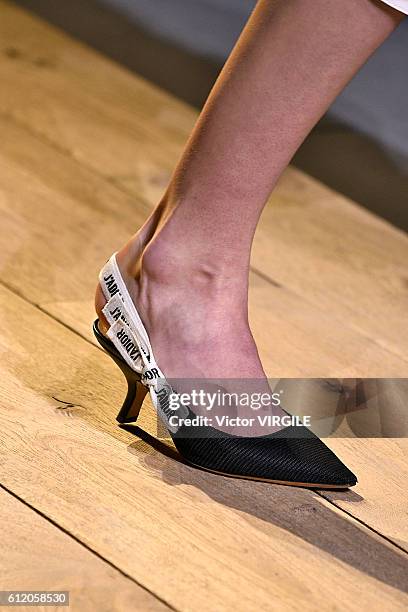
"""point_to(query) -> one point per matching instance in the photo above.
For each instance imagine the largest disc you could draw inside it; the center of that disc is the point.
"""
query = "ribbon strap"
(130, 337)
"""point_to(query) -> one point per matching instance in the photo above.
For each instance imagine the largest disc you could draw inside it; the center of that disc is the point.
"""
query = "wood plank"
(380, 498)
(133, 134)
(332, 253)
(43, 215)
(98, 114)
(196, 543)
(36, 555)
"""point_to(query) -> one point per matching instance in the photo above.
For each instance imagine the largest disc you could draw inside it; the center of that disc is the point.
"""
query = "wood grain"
(197, 540)
(380, 497)
(36, 555)
(332, 253)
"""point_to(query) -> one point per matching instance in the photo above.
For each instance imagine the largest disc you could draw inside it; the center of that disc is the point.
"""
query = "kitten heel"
(133, 401)
(136, 389)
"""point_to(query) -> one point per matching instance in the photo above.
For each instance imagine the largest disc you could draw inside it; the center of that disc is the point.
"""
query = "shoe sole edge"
(289, 483)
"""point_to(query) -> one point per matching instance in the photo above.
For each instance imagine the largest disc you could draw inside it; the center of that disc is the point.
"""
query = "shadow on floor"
(355, 165)
(338, 536)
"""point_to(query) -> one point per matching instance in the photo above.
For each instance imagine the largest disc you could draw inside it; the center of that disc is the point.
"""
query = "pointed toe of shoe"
(335, 475)
(341, 476)
(291, 456)
(310, 461)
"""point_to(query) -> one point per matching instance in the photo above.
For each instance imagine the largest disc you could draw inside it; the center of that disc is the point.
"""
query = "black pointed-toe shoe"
(292, 456)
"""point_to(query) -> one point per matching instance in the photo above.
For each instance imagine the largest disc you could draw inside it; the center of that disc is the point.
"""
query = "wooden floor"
(86, 151)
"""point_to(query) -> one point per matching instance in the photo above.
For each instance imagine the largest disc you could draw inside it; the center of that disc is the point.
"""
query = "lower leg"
(187, 268)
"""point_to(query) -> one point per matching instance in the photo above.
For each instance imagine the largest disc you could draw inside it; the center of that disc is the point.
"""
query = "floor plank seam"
(361, 522)
(67, 153)
(19, 294)
(86, 546)
(315, 305)
(271, 280)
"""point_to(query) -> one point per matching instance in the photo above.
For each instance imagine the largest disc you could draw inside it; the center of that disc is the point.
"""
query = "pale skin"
(187, 267)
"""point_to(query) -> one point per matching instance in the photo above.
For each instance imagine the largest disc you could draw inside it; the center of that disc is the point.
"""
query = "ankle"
(168, 274)
(165, 263)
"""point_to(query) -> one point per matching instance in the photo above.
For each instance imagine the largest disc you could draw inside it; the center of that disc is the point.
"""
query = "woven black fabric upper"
(293, 454)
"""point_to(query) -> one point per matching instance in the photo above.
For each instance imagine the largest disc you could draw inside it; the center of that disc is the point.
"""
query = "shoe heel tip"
(123, 420)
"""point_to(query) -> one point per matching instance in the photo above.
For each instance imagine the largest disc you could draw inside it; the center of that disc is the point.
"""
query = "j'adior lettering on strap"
(122, 315)
(115, 310)
(130, 337)
(120, 331)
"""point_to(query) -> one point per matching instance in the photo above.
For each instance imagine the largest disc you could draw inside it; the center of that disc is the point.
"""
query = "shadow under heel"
(136, 389)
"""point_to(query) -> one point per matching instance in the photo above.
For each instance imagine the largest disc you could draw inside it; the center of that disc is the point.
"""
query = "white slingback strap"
(113, 284)
(130, 338)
